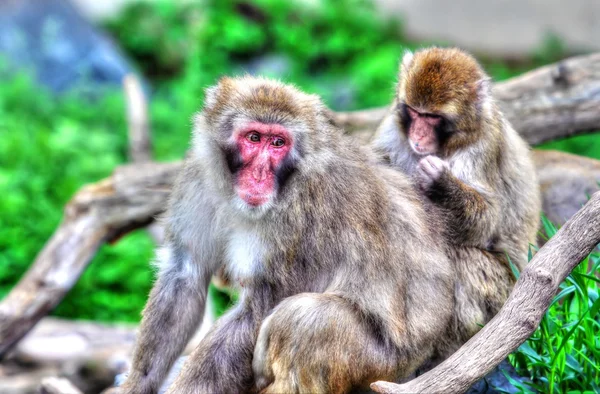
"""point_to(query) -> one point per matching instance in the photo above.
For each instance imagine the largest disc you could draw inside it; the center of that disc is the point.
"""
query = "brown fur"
(428, 78)
(339, 274)
(488, 193)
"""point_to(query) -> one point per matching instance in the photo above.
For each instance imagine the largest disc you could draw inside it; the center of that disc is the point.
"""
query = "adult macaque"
(343, 277)
(445, 129)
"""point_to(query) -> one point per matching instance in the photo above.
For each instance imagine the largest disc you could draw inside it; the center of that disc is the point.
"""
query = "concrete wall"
(498, 27)
(504, 27)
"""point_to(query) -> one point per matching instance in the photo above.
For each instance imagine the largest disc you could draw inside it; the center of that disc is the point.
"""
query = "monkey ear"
(484, 89)
(406, 62)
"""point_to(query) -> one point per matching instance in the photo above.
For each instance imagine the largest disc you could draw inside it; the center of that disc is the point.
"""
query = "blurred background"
(62, 108)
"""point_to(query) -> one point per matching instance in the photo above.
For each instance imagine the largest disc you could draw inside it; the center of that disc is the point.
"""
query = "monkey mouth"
(254, 200)
(420, 149)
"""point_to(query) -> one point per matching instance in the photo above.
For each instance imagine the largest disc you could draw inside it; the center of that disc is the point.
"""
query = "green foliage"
(48, 150)
(563, 355)
(585, 144)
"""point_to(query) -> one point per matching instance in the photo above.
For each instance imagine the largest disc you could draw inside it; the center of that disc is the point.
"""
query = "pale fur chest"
(244, 254)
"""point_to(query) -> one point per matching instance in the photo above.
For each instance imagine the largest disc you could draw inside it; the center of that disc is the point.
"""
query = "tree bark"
(566, 182)
(55, 385)
(520, 315)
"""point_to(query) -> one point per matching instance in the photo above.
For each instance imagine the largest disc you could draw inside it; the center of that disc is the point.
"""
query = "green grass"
(563, 355)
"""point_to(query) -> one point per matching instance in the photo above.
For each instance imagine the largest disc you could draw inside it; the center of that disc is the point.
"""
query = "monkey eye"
(253, 136)
(278, 142)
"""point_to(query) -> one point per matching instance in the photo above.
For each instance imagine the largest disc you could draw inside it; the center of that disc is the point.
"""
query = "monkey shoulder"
(191, 210)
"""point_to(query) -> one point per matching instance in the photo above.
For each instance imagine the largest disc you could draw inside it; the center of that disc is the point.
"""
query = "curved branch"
(545, 104)
(520, 315)
(55, 385)
(99, 213)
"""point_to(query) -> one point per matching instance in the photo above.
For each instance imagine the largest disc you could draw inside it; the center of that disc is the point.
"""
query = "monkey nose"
(259, 174)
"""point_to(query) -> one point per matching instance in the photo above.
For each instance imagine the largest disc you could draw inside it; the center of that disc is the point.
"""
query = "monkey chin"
(250, 210)
(422, 150)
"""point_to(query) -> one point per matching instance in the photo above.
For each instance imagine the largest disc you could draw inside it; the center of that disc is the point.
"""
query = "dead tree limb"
(545, 104)
(140, 146)
(55, 385)
(521, 313)
(98, 213)
(566, 181)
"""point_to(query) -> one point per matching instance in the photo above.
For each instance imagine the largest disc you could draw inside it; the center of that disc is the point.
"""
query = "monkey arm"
(171, 316)
(471, 213)
(222, 362)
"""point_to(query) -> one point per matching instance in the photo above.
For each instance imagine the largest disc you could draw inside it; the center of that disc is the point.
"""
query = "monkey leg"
(484, 281)
(222, 362)
(317, 343)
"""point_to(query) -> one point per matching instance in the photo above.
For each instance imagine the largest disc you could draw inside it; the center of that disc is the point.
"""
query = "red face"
(421, 132)
(262, 148)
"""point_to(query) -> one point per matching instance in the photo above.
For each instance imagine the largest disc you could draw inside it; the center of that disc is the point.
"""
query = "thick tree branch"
(55, 385)
(555, 101)
(546, 104)
(521, 313)
(566, 181)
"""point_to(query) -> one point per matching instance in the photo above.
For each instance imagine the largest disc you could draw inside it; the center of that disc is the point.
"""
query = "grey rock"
(52, 40)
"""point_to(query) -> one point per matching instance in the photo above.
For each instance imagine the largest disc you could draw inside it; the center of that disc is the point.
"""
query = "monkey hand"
(430, 170)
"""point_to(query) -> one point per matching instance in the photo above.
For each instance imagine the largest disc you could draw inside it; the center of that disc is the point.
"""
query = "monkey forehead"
(264, 128)
(439, 79)
(269, 100)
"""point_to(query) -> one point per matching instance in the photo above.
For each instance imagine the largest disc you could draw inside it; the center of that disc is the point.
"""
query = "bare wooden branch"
(140, 147)
(555, 101)
(98, 213)
(88, 354)
(546, 104)
(19, 381)
(521, 313)
(566, 182)
(55, 385)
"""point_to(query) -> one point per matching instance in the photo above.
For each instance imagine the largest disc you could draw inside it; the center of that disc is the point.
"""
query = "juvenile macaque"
(445, 129)
(343, 277)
